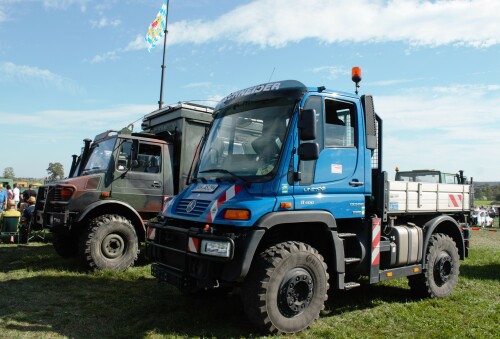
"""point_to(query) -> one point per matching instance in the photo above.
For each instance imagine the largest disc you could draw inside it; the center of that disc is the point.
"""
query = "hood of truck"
(84, 183)
(86, 189)
(207, 202)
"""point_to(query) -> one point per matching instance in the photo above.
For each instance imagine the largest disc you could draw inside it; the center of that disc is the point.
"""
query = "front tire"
(443, 268)
(110, 243)
(286, 288)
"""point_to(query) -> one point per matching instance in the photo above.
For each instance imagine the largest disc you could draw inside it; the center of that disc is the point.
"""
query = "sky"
(71, 69)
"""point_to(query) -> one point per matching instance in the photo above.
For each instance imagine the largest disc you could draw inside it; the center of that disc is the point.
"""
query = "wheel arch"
(446, 225)
(115, 207)
(316, 228)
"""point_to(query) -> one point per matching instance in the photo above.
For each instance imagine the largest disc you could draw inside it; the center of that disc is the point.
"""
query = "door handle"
(156, 184)
(356, 183)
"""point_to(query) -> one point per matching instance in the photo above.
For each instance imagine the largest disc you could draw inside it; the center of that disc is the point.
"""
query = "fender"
(296, 217)
(96, 204)
(453, 231)
(268, 221)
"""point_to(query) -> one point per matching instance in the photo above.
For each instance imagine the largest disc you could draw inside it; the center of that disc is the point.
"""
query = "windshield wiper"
(221, 170)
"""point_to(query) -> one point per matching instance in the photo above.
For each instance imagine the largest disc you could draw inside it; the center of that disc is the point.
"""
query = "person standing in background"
(30, 192)
(10, 194)
(16, 194)
(3, 198)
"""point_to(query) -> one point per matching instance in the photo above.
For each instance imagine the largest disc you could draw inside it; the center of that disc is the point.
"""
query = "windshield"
(246, 140)
(100, 154)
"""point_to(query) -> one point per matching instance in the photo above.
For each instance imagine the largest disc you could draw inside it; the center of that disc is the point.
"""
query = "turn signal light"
(105, 194)
(65, 193)
(415, 270)
(389, 274)
(285, 204)
(237, 214)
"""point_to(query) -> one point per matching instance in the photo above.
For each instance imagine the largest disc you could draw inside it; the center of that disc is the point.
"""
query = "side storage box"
(408, 242)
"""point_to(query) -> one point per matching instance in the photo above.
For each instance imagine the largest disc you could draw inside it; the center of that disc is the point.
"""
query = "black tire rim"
(443, 268)
(296, 292)
(113, 246)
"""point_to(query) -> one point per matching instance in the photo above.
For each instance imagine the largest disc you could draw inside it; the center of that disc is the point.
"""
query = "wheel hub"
(296, 292)
(443, 268)
(113, 246)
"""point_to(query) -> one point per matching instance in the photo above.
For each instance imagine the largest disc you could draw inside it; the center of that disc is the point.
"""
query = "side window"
(149, 158)
(339, 124)
(307, 168)
(124, 156)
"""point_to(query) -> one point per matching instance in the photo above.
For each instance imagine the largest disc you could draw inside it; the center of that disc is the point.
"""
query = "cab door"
(335, 181)
(141, 186)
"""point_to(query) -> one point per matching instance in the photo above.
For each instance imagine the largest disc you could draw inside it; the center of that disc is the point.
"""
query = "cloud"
(104, 22)
(138, 43)
(34, 75)
(3, 15)
(198, 84)
(56, 134)
(105, 57)
(64, 4)
(276, 23)
(69, 122)
(333, 72)
(447, 128)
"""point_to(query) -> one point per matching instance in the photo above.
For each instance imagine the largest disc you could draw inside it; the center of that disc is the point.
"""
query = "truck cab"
(120, 179)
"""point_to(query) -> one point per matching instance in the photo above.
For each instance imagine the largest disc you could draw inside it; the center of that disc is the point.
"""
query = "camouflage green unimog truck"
(120, 180)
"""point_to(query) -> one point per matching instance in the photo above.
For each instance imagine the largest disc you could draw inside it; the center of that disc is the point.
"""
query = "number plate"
(205, 188)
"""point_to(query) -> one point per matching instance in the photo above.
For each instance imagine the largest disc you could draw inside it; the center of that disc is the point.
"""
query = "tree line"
(55, 171)
(487, 191)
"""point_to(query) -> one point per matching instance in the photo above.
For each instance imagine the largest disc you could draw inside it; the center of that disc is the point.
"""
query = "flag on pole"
(157, 28)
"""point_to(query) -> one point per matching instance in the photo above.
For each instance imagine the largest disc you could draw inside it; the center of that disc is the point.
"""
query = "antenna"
(272, 73)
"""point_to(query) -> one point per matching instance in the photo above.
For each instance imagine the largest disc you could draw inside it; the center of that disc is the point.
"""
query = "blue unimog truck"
(287, 200)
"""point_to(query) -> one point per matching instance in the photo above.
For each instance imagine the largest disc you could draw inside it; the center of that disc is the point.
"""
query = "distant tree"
(8, 173)
(55, 171)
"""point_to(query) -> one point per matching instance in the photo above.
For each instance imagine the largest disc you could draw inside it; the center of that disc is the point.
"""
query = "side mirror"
(308, 151)
(370, 126)
(307, 124)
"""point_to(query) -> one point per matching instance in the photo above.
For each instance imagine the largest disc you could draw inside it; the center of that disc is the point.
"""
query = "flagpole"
(160, 102)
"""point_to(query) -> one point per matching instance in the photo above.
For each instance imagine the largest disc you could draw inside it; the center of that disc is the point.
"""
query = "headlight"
(216, 248)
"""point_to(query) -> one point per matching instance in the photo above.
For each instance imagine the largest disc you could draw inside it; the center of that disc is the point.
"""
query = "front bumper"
(177, 262)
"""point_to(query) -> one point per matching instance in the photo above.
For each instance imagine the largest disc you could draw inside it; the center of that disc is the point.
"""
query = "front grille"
(199, 208)
(57, 195)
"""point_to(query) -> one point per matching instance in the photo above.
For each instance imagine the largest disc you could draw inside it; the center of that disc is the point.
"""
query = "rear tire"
(443, 269)
(65, 244)
(110, 243)
(286, 288)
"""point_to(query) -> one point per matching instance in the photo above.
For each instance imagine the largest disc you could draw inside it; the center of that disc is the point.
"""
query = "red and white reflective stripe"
(455, 200)
(230, 193)
(376, 229)
(193, 245)
(151, 233)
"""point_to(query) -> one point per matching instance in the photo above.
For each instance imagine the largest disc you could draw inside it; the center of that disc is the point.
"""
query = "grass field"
(45, 296)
